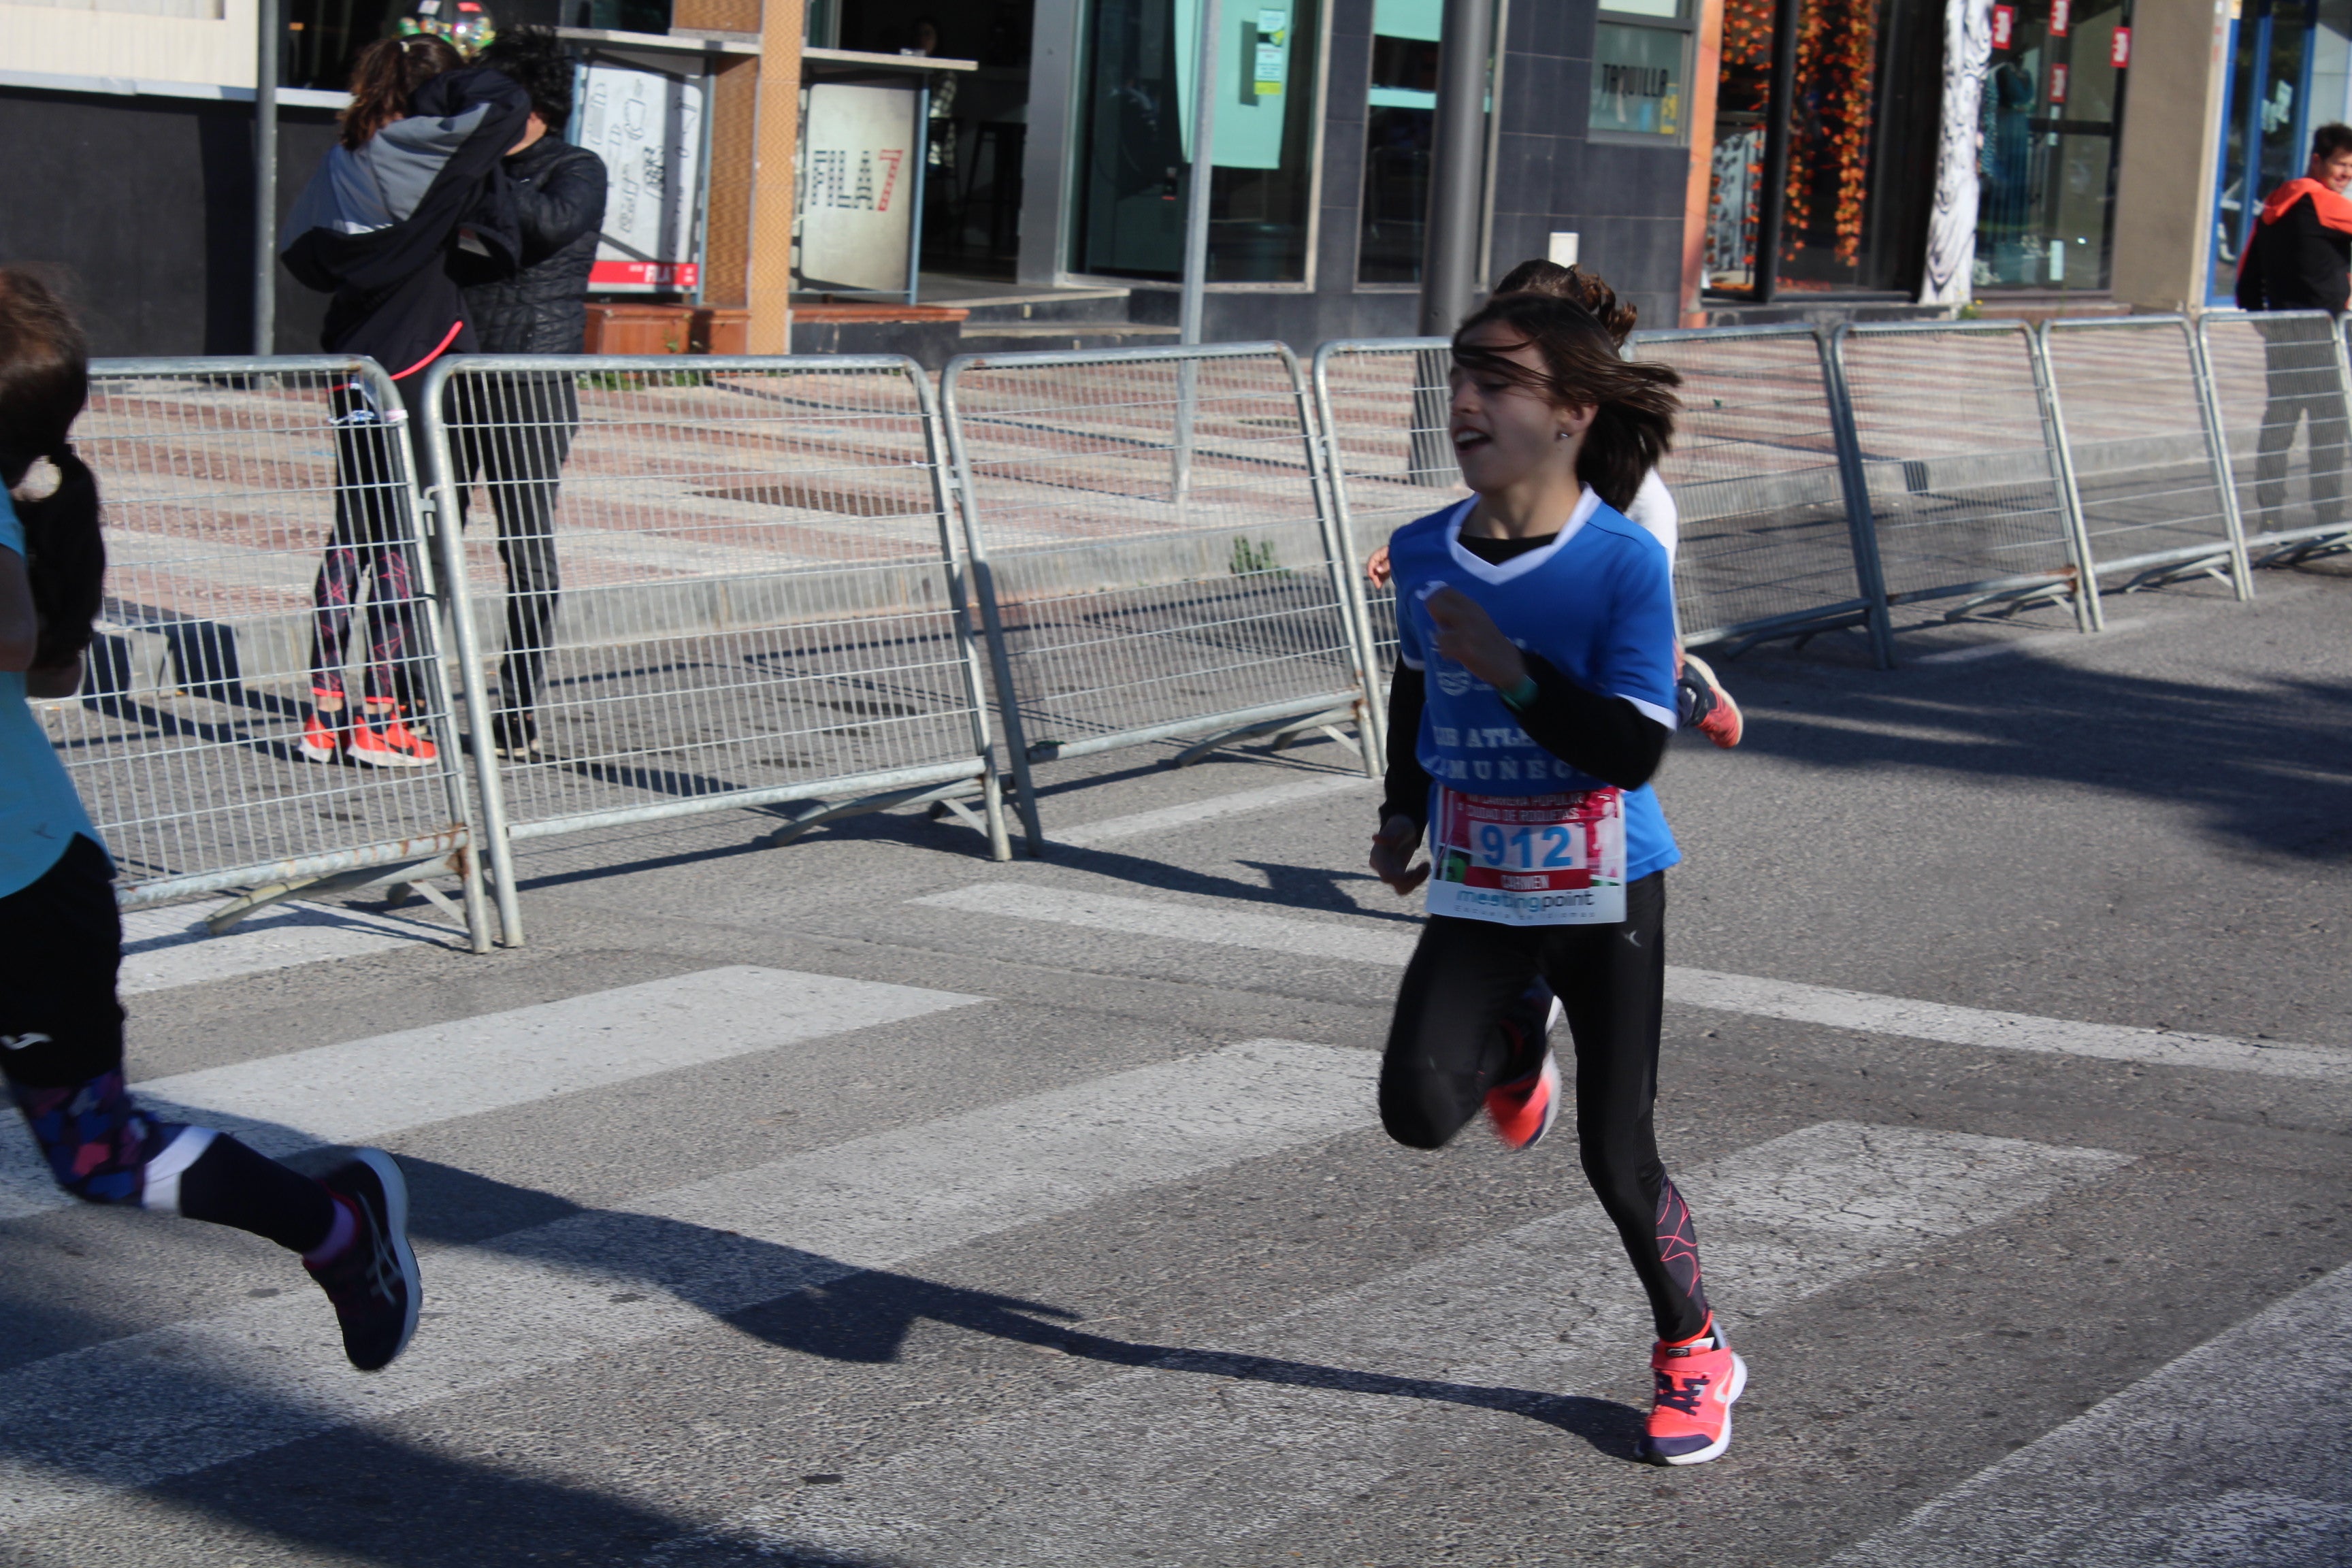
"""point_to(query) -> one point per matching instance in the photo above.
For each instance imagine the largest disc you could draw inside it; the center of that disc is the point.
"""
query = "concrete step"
(1000, 299)
(1027, 337)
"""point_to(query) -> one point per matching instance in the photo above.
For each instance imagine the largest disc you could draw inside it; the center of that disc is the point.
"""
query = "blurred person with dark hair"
(413, 179)
(2300, 259)
(61, 933)
(514, 430)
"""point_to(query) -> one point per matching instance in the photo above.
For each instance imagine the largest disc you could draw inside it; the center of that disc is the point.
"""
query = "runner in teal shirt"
(60, 932)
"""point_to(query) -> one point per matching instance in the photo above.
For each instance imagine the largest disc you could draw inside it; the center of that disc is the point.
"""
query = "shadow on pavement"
(370, 1496)
(2268, 764)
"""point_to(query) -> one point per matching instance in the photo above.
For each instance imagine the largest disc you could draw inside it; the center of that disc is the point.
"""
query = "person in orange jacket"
(2300, 259)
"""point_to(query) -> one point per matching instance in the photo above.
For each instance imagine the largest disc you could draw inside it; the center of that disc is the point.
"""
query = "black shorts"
(61, 947)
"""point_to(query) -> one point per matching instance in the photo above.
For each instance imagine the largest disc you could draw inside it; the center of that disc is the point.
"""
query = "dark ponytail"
(385, 76)
(1589, 289)
(44, 383)
(1633, 404)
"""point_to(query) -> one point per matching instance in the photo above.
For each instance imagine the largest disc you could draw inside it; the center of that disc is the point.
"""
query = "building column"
(1698, 197)
(755, 116)
(2178, 78)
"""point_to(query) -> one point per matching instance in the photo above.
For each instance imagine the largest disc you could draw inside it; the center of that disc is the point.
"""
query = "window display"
(1860, 144)
(2050, 134)
(1137, 140)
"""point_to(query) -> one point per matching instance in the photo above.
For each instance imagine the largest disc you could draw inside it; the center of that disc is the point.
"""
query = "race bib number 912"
(1528, 859)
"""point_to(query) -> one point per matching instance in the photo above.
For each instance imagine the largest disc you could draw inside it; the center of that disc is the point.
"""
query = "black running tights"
(1447, 1047)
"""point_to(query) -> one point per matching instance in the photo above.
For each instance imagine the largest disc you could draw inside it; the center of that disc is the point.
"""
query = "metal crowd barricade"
(2151, 479)
(1380, 405)
(263, 545)
(2276, 384)
(1154, 552)
(730, 583)
(1963, 464)
(1774, 528)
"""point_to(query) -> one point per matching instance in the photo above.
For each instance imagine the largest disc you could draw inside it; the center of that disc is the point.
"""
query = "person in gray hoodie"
(413, 181)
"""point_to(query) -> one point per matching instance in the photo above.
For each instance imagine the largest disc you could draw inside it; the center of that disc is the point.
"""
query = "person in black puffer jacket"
(514, 430)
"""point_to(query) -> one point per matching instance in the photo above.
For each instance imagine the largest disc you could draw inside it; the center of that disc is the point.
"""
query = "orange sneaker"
(381, 741)
(1697, 1380)
(1524, 1106)
(1714, 713)
(321, 742)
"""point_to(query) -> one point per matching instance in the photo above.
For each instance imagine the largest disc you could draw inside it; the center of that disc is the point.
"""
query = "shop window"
(2049, 143)
(1641, 72)
(1863, 128)
(1136, 140)
(1399, 122)
(2290, 73)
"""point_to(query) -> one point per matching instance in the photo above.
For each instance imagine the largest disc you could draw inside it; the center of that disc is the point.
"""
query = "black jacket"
(559, 196)
(380, 228)
(2301, 253)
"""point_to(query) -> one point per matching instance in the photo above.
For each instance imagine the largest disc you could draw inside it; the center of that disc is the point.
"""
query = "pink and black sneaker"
(372, 1277)
(1690, 1416)
(1524, 1106)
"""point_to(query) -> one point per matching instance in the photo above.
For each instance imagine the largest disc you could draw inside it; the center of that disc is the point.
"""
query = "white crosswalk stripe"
(201, 1393)
(1691, 987)
(1168, 818)
(1320, 1404)
(363, 1090)
(163, 949)
(2231, 1457)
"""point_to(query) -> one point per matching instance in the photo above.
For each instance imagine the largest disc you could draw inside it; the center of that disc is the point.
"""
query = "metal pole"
(265, 182)
(1200, 177)
(1773, 199)
(1449, 283)
(1502, 43)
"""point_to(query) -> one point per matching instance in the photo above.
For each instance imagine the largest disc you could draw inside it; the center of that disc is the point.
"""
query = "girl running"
(1700, 698)
(1533, 699)
(60, 937)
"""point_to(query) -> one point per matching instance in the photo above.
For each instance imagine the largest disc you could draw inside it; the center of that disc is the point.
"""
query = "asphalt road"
(865, 1202)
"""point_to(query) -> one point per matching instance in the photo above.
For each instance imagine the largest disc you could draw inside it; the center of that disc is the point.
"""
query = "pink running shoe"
(1524, 1106)
(321, 742)
(1697, 1380)
(381, 741)
(1719, 716)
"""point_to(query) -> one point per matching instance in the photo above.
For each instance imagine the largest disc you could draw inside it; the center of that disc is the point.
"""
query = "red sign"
(644, 275)
(2004, 26)
(2059, 17)
(2057, 84)
(2119, 52)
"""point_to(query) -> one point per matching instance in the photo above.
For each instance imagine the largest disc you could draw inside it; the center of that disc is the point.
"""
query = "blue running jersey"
(1596, 602)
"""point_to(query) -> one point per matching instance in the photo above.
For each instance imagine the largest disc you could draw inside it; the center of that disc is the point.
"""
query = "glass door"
(2281, 54)
(2051, 135)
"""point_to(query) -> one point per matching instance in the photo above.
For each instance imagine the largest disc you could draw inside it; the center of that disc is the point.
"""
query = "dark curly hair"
(1589, 289)
(535, 60)
(44, 383)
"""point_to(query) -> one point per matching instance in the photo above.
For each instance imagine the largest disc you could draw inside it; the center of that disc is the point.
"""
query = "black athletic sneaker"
(372, 1282)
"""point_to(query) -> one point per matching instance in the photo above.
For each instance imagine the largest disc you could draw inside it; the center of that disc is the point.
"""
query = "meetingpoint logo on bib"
(1529, 859)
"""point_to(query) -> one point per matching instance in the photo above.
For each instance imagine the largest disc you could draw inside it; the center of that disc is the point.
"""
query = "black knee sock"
(230, 1184)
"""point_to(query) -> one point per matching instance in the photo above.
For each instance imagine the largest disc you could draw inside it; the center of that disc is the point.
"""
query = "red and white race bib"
(1528, 859)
